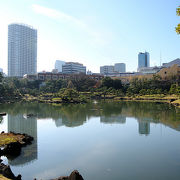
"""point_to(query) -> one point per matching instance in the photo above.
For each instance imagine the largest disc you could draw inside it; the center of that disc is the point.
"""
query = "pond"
(102, 140)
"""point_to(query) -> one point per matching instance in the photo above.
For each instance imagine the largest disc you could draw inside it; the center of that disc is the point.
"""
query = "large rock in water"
(12, 149)
(6, 172)
(73, 176)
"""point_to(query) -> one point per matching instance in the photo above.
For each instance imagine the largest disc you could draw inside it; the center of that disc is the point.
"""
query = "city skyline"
(81, 33)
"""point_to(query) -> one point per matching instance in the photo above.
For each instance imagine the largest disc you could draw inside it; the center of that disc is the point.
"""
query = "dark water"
(104, 141)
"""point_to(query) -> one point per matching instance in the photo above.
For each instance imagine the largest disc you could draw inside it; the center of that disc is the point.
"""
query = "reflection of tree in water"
(76, 114)
(113, 119)
(73, 115)
(1, 119)
(155, 112)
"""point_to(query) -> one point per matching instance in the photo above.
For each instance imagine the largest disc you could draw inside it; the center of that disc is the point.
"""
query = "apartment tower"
(22, 50)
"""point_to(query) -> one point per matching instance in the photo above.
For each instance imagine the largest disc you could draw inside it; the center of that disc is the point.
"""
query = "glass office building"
(143, 60)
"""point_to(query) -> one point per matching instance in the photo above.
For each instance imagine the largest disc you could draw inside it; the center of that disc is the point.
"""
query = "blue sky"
(95, 32)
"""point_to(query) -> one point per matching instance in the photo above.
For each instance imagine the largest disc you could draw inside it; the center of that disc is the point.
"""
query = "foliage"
(1, 77)
(53, 86)
(84, 84)
(178, 26)
(71, 95)
(174, 89)
(110, 83)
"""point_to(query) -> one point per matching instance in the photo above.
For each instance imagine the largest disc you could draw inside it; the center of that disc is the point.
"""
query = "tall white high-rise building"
(22, 50)
(59, 64)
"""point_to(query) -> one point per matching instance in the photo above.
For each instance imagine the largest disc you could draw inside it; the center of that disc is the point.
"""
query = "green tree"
(178, 26)
(107, 82)
(1, 77)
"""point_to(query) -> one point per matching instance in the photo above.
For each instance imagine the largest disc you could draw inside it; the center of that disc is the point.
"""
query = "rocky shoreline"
(10, 146)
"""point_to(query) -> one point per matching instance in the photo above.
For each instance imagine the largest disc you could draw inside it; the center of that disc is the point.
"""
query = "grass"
(7, 138)
(177, 103)
(3, 178)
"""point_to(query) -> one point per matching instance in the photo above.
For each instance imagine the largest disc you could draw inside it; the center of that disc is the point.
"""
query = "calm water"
(104, 141)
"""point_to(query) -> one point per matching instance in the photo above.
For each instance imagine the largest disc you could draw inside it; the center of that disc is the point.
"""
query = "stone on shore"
(5, 171)
(75, 175)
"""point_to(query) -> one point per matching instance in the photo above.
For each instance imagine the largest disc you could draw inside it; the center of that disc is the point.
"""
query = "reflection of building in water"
(113, 119)
(19, 124)
(73, 120)
(144, 126)
(58, 122)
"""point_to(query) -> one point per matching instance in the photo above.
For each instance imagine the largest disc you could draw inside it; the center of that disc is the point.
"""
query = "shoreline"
(169, 99)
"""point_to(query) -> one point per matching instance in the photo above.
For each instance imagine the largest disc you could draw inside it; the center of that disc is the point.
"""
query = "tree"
(178, 26)
(107, 82)
(117, 84)
(1, 77)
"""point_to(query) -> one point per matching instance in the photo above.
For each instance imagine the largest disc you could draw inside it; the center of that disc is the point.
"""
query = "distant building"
(59, 64)
(105, 70)
(149, 70)
(143, 60)
(55, 71)
(73, 68)
(176, 61)
(169, 72)
(22, 50)
(1, 70)
(44, 76)
(89, 72)
(120, 67)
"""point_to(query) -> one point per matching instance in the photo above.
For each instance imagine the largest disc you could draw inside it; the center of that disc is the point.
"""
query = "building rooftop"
(22, 24)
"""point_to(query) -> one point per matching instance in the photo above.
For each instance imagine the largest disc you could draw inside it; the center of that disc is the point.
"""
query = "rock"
(62, 178)
(30, 115)
(12, 149)
(27, 139)
(2, 114)
(75, 176)
(6, 172)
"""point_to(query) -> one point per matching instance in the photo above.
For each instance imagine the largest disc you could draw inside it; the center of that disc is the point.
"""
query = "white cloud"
(57, 15)
(98, 37)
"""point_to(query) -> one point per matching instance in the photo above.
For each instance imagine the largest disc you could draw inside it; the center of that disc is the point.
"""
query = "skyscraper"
(22, 50)
(143, 60)
(59, 64)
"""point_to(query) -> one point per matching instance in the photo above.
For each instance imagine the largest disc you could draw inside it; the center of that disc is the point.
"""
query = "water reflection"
(113, 119)
(93, 148)
(77, 115)
(20, 124)
(144, 127)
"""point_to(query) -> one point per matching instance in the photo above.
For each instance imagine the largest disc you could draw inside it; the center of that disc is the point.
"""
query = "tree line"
(13, 87)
